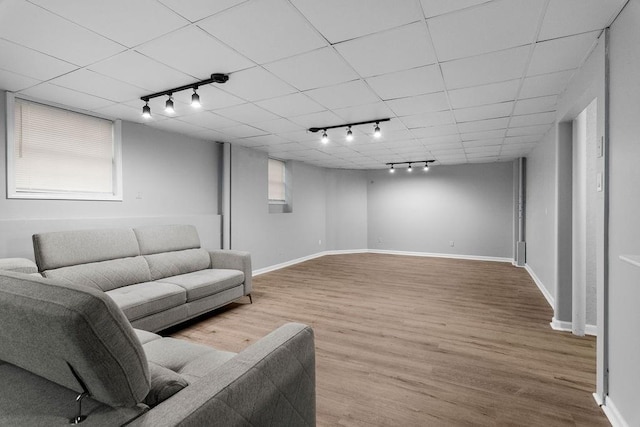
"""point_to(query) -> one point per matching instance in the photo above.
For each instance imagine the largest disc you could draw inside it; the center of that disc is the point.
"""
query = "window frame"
(277, 205)
(12, 193)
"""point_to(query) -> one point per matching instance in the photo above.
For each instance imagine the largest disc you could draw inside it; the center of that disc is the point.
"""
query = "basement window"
(55, 153)
(279, 186)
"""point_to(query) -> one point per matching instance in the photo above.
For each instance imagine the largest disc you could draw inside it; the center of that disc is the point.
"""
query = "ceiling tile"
(528, 130)
(492, 150)
(262, 30)
(125, 112)
(482, 125)
(407, 83)
(211, 97)
(138, 70)
(343, 95)
(30, 63)
(447, 139)
(491, 111)
(55, 36)
(566, 17)
(496, 25)
(301, 136)
(482, 143)
(144, 19)
(172, 50)
(255, 84)
(195, 10)
(393, 50)
(212, 135)
(340, 20)
(243, 131)
(268, 139)
(363, 113)
(545, 84)
(533, 119)
(536, 105)
(488, 68)
(14, 82)
(484, 94)
(521, 139)
(63, 96)
(209, 120)
(279, 126)
(428, 119)
(419, 104)
(98, 85)
(295, 104)
(561, 54)
(175, 125)
(322, 67)
(484, 135)
(439, 7)
(318, 120)
(434, 131)
(246, 113)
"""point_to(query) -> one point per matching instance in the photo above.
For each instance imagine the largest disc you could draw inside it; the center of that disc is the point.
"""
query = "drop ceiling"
(463, 81)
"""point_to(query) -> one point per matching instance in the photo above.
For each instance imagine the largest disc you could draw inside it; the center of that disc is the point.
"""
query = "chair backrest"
(72, 335)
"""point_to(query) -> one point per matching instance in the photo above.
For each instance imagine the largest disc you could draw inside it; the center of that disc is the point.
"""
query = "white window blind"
(56, 151)
(277, 182)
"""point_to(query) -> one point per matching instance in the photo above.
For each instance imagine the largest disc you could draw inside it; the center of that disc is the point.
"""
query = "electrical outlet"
(599, 181)
(139, 195)
(452, 243)
(319, 242)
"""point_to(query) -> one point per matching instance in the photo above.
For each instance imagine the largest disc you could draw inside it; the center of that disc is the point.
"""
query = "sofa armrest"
(271, 382)
(234, 260)
(18, 265)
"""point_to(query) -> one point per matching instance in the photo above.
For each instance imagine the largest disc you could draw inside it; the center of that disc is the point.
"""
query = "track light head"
(391, 169)
(349, 134)
(146, 111)
(426, 167)
(325, 137)
(376, 131)
(168, 106)
(409, 169)
(195, 99)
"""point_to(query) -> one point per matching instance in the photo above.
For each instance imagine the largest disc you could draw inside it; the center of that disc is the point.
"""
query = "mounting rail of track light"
(195, 98)
(410, 165)
(349, 136)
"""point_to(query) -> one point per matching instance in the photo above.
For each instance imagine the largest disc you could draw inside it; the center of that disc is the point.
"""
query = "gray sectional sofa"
(159, 275)
(68, 352)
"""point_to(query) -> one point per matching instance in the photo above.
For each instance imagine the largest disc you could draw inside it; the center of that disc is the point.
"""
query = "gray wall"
(346, 209)
(176, 178)
(624, 205)
(471, 205)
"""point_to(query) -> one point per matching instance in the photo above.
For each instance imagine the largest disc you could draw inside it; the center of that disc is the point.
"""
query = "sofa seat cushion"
(192, 361)
(144, 299)
(146, 336)
(203, 283)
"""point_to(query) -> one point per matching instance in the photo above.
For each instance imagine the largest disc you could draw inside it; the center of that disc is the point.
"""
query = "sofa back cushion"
(104, 275)
(65, 332)
(166, 238)
(65, 248)
(168, 264)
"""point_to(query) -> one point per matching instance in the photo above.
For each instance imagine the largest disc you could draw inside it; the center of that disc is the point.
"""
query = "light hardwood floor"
(416, 341)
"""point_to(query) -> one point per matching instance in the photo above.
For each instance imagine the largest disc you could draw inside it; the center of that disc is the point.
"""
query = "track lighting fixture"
(146, 111)
(410, 165)
(376, 130)
(168, 106)
(195, 98)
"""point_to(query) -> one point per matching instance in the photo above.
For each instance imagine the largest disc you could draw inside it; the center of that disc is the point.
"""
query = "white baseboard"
(438, 255)
(612, 413)
(561, 325)
(373, 251)
(540, 286)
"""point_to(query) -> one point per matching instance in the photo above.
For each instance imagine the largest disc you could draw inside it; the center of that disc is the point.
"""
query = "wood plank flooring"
(417, 341)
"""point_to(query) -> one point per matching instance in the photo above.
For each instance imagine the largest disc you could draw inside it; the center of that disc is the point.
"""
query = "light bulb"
(392, 170)
(168, 106)
(325, 138)
(426, 166)
(349, 135)
(146, 111)
(376, 131)
(195, 100)
(409, 169)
